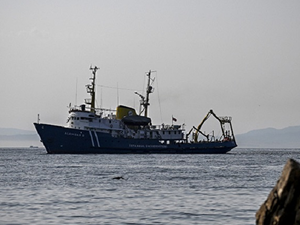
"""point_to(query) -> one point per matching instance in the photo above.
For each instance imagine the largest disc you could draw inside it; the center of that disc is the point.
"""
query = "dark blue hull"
(61, 140)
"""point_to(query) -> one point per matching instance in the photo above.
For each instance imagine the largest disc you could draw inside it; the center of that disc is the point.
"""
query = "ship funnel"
(82, 107)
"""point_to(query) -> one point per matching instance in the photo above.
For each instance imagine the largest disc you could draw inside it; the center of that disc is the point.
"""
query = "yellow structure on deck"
(123, 111)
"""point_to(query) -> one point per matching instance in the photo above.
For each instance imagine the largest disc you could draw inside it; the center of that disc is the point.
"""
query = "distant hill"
(270, 138)
(13, 131)
(10, 137)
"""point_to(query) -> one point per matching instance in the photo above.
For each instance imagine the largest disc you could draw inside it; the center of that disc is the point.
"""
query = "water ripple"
(37, 188)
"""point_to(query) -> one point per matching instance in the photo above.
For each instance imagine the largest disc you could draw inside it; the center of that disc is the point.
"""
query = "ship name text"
(74, 134)
(147, 146)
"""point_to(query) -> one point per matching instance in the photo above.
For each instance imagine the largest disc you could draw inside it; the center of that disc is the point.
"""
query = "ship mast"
(148, 91)
(91, 89)
(145, 100)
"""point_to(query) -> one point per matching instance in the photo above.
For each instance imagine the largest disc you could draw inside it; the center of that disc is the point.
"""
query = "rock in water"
(282, 206)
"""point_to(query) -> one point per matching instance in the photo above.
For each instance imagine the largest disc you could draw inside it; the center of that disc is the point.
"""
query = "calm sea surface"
(37, 188)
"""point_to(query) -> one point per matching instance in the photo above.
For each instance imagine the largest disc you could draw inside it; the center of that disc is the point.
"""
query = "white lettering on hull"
(74, 134)
(147, 146)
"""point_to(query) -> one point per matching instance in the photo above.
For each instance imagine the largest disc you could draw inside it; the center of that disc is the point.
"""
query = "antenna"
(160, 109)
(101, 99)
(117, 93)
(76, 91)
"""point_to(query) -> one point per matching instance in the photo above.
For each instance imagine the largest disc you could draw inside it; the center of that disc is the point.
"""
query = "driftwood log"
(282, 206)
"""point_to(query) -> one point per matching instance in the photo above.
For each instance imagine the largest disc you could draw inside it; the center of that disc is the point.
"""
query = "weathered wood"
(282, 206)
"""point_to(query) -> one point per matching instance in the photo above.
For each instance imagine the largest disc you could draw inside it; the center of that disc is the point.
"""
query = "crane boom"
(222, 120)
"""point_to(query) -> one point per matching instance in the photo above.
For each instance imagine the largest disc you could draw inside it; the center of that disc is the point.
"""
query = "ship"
(91, 130)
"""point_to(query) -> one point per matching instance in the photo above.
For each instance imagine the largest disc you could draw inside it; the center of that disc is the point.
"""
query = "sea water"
(38, 188)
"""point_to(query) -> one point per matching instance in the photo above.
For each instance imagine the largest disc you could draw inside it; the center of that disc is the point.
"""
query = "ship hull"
(62, 140)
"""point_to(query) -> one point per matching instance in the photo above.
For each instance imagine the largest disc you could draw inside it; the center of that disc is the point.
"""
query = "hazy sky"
(239, 58)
